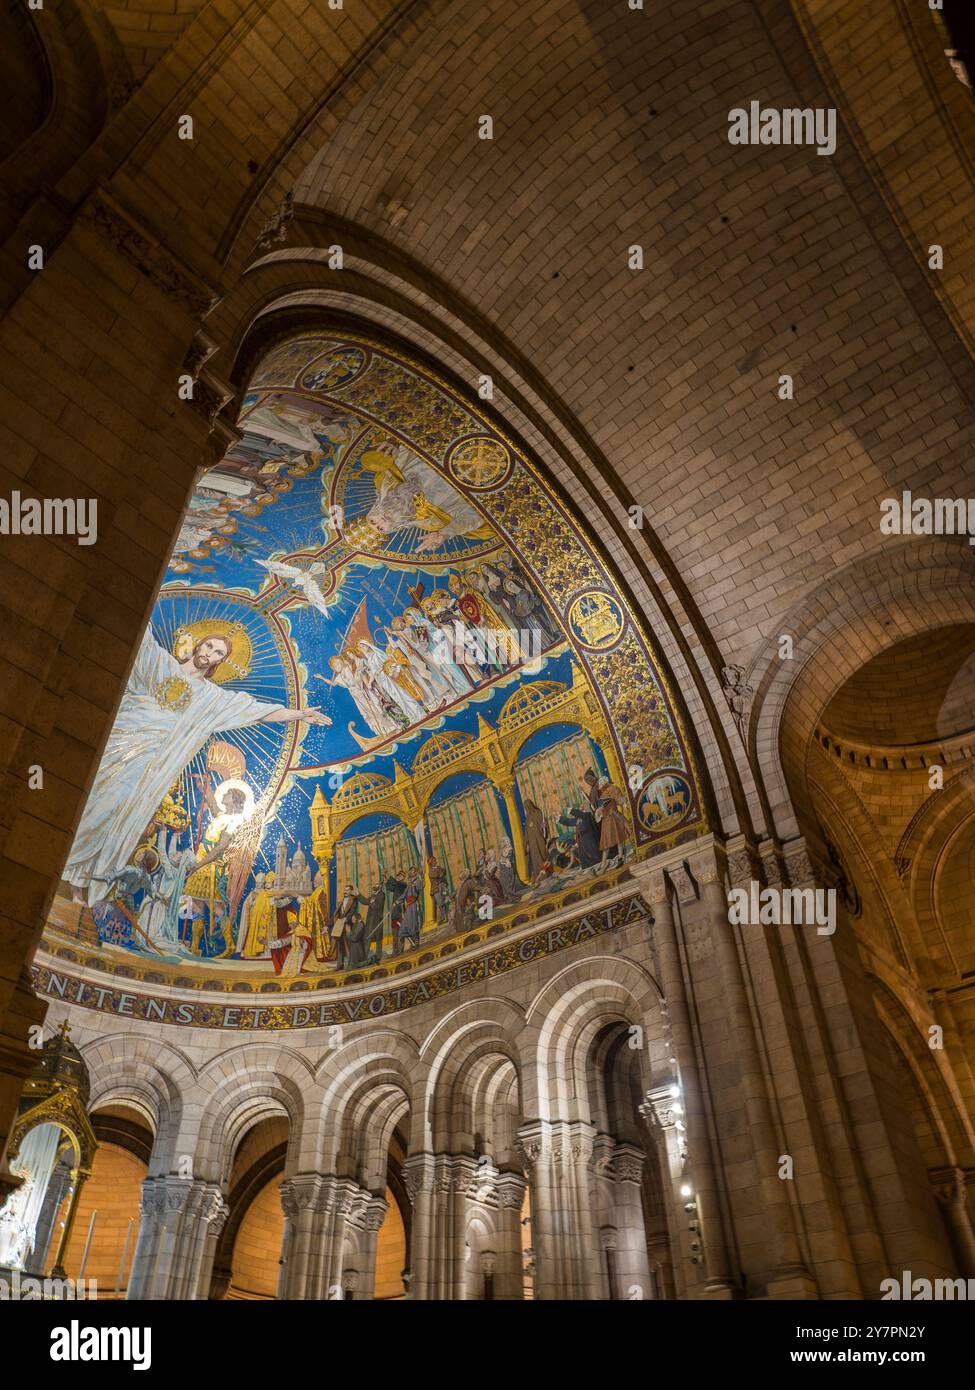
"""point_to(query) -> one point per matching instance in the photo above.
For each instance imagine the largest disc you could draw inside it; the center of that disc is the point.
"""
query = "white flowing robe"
(149, 746)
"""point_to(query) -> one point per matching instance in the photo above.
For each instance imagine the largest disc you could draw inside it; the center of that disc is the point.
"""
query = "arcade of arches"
(469, 615)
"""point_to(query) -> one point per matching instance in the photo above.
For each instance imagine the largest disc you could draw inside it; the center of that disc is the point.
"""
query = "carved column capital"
(213, 1208)
(658, 1106)
(772, 868)
(628, 1163)
(949, 1186)
(375, 1212)
(418, 1175)
(305, 1192)
(510, 1190)
(798, 864)
(741, 867)
(210, 395)
(558, 1141)
(603, 1154)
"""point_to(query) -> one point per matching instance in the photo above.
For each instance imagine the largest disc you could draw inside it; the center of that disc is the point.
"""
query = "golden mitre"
(236, 665)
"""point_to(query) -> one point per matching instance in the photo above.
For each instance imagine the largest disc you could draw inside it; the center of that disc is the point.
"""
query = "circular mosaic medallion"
(664, 801)
(334, 369)
(596, 620)
(480, 462)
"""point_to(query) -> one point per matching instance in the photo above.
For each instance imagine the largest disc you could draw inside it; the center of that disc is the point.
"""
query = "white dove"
(305, 580)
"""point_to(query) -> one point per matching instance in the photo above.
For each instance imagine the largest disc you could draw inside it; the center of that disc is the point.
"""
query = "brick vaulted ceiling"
(610, 128)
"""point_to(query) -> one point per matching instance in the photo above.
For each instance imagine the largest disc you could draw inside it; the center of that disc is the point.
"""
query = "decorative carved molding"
(209, 397)
(558, 1141)
(140, 248)
(222, 437)
(603, 1154)
(200, 350)
(168, 1196)
(683, 884)
(656, 891)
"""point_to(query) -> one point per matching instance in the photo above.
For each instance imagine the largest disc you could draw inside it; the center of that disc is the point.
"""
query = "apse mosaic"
(389, 694)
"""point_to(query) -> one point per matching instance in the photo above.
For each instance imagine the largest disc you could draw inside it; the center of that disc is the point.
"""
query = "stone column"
(302, 1200)
(372, 1219)
(465, 1187)
(180, 1221)
(632, 1262)
(688, 1249)
(858, 1163)
(215, 1212)
(791, 1278)
(510, 1195)
(322, 1211)
(345, 1204)
(602, 1206)
(691, 1164)
(661, 1266)
(287, 1241)
(447, 1191)
(557, 1152)
(419, 1181)
(952, 1196)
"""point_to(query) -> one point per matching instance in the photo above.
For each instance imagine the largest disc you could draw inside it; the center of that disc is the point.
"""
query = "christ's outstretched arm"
(310, 715)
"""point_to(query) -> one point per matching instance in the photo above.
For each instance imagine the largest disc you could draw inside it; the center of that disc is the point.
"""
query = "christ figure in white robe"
(169, 710)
